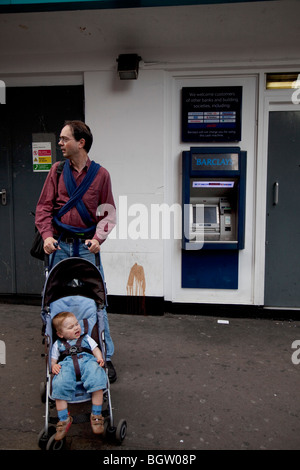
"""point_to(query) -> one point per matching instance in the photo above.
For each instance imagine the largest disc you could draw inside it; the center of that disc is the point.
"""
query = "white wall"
(127, 120)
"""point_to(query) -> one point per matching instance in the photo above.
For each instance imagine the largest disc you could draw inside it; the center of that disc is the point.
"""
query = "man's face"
(69, 146)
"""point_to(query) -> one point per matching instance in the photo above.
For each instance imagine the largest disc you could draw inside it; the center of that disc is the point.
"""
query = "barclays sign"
(215, 162)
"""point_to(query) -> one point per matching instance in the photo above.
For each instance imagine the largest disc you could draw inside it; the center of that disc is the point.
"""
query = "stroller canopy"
(74, 276)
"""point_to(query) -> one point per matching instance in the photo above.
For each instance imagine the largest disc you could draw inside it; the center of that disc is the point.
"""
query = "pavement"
(185, 383)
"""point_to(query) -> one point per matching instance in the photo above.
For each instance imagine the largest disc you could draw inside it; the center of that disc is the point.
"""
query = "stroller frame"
(77, 285)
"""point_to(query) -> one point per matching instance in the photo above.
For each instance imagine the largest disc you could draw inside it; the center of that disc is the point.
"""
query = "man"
(69, 235)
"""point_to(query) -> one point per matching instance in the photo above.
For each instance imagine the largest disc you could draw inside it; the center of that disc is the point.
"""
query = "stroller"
(76, 285)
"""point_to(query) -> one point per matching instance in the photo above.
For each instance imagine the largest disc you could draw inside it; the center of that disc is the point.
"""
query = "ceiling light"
(128, 66)
(281, 81)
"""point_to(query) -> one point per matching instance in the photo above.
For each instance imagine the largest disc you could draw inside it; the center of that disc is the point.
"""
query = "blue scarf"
(75, 193)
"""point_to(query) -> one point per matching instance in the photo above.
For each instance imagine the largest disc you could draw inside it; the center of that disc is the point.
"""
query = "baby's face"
(70, 328)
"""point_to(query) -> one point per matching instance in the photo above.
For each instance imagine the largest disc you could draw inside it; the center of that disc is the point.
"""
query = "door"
(32, 114)
(282, 267)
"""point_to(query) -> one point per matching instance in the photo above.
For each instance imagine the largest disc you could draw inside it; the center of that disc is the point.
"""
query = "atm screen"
(211, 214)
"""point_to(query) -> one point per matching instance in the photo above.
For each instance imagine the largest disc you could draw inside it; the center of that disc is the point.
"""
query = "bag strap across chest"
(76, 193)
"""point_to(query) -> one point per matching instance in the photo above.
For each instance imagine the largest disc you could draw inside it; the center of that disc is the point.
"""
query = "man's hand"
(93, 245)
(50, 245)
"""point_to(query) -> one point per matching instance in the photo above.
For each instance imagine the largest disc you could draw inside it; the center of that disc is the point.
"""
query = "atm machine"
(213, 199)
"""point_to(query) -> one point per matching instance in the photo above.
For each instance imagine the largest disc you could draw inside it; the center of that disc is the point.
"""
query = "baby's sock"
(96, 409)
(63, 415)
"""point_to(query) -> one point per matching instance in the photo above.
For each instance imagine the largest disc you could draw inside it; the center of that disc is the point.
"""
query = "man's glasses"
(64, 140)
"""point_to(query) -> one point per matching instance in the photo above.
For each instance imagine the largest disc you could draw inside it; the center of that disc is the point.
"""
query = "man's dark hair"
(81, 131)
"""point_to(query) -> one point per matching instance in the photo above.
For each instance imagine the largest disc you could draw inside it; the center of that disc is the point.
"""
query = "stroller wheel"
(43, 437)
(121, 431)
(55, 445)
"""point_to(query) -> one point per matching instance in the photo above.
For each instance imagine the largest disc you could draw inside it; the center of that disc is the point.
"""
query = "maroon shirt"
(54, 196)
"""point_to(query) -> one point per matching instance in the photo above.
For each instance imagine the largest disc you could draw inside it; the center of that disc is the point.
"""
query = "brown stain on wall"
(136, 288)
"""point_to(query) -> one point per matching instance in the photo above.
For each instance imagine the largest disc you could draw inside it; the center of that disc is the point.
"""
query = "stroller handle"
(46, 257)
(97, 255)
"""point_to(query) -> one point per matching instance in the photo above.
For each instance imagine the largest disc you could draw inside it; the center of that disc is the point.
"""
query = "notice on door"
(41, 156)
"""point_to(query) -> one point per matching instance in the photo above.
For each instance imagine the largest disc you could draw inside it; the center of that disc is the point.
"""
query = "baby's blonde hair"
(60, 318)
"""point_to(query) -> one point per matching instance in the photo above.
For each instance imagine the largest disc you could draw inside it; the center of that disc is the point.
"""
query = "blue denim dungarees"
(93, 376)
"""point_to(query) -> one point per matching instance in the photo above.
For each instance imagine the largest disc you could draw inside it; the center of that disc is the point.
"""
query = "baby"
(90, 363)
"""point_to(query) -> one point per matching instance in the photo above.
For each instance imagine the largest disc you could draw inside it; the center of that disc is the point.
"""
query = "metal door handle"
(275, 193)
(3, 197)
